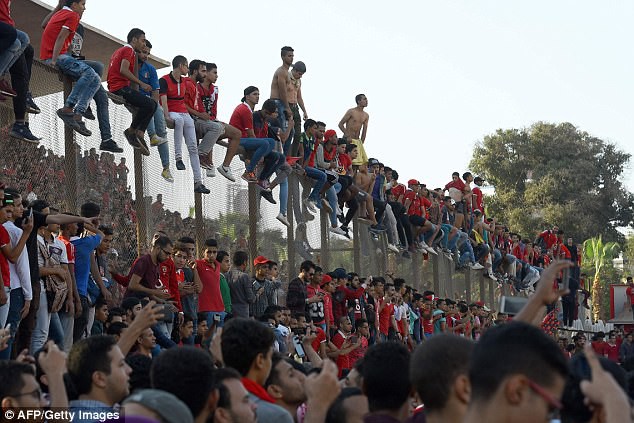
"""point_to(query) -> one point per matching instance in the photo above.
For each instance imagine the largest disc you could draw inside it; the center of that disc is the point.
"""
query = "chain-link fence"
(67, 169)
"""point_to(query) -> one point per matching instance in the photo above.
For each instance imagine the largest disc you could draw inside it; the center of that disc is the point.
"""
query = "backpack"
(56, 287)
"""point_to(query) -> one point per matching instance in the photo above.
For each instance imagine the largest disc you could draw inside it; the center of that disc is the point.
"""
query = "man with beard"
(206, 128)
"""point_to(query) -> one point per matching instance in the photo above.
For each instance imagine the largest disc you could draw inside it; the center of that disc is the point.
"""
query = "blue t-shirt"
(84, 248)
(147, 74)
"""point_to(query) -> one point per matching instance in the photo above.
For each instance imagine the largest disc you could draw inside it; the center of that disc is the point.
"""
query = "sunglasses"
(554, 405)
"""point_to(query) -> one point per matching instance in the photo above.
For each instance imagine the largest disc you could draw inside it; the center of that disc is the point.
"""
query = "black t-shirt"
(39, 221)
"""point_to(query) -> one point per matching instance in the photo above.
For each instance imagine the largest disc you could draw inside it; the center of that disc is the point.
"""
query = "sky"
(439, 76)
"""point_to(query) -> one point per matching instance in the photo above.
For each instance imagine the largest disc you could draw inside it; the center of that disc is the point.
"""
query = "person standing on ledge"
(354, 126)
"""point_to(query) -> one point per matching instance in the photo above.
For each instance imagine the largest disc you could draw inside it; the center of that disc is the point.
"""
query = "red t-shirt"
(5, 12)
(330, 318)
(398, 190)
(191, 95)
(174, 91)
(549, 238)
(601, 348)
(321, 338)
(630, 293)
(385, 316)
(65, 18)
(116, 80)
(345, 162)
(355, 296)
(416, 205)
(479, 202)
(4, 263)
(343, 360)
(167, 271)
(242, 118)
(210, 298)
(613, 352)
(358, 353)
(457, 184)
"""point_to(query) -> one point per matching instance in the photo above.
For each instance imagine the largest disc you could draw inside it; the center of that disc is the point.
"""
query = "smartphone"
(31, 213)
(354, 339)
(299, 349)
(512, 305)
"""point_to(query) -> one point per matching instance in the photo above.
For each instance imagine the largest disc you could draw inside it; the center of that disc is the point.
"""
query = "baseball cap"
(325, 279)
(166, 405)
(6, 201)
(340, 273)
(299, 66)
(260, 260)
(413, 182)
(373, 162)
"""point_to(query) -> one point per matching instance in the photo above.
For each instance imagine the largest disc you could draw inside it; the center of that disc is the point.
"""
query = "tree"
(598, 254)
(554, 174)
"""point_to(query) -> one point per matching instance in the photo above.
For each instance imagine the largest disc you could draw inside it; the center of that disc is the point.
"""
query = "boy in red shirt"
(120, 76)
(210, 297)
(56, 39)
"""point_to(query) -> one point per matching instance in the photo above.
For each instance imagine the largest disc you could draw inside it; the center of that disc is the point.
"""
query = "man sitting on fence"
(120, 75)
(56, 39)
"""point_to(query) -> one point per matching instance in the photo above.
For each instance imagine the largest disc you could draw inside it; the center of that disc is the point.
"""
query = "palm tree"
(597, 254)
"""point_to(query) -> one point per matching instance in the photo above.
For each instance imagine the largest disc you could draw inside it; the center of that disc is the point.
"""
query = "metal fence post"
(70, 159)
(482, 288)
(324, 254)
(199, 222)
(253, 223)
(139, 203)
(467, 283)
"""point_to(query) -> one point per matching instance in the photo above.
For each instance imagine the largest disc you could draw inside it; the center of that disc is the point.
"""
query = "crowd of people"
(185, 334)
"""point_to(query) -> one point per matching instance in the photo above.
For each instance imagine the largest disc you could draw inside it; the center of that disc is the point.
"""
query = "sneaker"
(282, 218)
(144, 148)
(337, 231)
(211, 172)
(81, 129)
(167, 175)
(326, 205)
(346, 232)
(249, 177)
(268, 196)
(68, 118)
(88, 114)
(31, 107)
(155, 140)
(180, 165)
(205, 162)
(310, 205)
(200, 188)
(476, 266)
(226, 172)
(22, 132)
(490, 276)
(393, 248)
(6, 89)
(264, 184)
(130, 136)
(111, 146)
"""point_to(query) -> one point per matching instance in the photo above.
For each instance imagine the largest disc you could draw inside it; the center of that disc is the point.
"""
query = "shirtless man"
(279, 86)
(354, 126)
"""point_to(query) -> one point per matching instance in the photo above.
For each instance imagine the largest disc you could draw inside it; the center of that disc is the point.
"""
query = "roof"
(99, 45)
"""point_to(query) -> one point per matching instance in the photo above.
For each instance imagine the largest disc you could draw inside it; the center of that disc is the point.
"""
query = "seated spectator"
(242, 119)
(247, 346)
(156, 128)
(172, 92)
(16, 56)
(120, 77)
(145, 343)
(307, 153)
(234, 403)
(56, 39)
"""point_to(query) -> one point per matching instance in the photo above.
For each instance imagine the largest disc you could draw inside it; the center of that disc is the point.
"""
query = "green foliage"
(554, 174)
(597, 257)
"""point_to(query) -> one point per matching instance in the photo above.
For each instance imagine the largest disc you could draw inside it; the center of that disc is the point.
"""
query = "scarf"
(257, 390)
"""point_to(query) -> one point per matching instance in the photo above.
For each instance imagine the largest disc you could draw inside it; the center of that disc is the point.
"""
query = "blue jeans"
(466, 253)
(284, 196)
(497, 259)
(11, 55)
(157, 123)
(262, 147)
(331, 195)
(101, 100)
(272, 162)
(320, 179)
(56, 331)
(87, 85)
(284, 124)
(15, 307)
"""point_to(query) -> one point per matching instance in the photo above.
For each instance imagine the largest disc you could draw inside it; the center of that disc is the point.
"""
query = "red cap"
(260, 260)
(329, 133)
(413, 182)
(325, 279)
